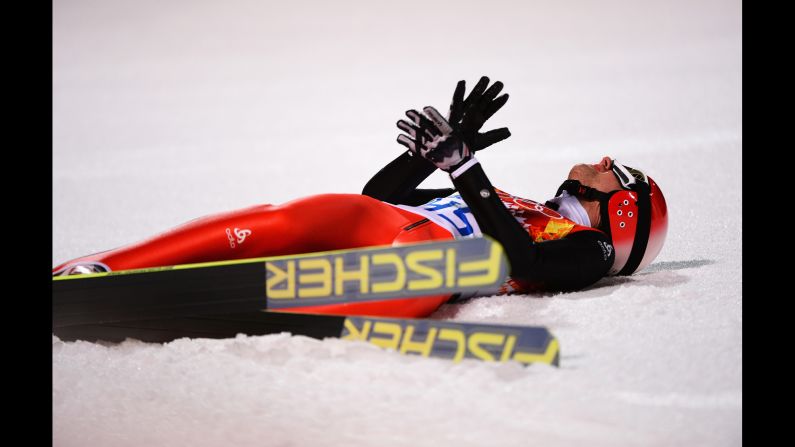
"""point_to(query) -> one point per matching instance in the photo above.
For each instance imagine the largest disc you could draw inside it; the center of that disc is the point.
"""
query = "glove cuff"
(472, 161)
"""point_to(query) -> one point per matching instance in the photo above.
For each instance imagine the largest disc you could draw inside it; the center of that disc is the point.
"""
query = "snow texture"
(167, 111)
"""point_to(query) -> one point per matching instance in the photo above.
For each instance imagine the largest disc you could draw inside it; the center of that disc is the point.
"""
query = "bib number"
(454, 210)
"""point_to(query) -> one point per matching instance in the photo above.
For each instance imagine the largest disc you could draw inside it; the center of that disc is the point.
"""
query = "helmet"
(635, 217)
(638, 220)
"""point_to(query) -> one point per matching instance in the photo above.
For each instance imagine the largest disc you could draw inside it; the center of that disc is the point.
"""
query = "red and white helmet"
(638, 217)
(635, 217)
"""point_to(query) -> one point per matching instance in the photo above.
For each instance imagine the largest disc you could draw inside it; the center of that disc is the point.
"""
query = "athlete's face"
(598, 176)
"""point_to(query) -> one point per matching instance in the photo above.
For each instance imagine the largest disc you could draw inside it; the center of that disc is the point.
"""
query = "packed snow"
(168, 111)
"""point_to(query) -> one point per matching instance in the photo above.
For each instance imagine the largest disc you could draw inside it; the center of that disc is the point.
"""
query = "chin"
(579, 172)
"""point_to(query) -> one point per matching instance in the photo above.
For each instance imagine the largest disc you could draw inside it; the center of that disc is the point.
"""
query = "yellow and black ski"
(451, 340)
(472, 266)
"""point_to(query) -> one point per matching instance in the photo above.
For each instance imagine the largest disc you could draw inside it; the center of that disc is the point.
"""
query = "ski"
(428, 338)
(474, 267)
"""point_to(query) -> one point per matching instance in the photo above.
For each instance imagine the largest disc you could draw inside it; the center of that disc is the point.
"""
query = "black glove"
(432, 137)
(468, 115)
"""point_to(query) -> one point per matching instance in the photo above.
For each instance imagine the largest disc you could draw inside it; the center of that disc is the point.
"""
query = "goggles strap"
(575, 188)
(641, 231)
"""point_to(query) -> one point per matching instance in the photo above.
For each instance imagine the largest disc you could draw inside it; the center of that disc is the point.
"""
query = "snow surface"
(167, 111)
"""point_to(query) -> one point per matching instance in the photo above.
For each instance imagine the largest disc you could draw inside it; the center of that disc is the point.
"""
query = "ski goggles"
(628, 177)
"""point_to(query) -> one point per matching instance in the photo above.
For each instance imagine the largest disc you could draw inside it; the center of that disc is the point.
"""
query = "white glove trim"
(463, 168)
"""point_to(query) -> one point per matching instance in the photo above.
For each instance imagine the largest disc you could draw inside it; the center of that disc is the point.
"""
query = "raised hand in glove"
(467, 116)
(431, 136)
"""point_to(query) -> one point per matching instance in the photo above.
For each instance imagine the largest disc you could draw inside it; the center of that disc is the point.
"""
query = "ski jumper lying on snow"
(606, 218)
